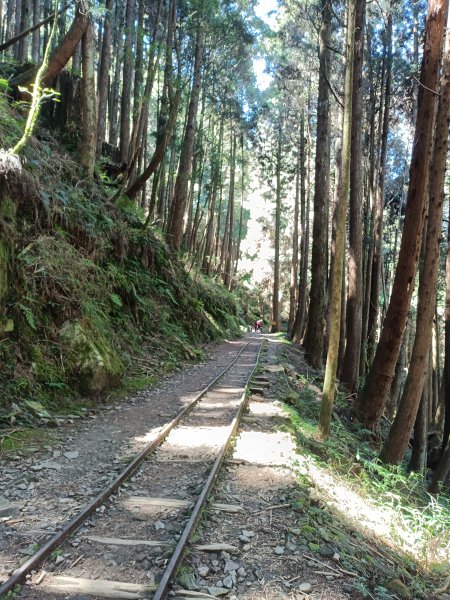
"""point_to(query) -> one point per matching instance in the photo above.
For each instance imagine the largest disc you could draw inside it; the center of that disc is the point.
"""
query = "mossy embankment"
(89, 298)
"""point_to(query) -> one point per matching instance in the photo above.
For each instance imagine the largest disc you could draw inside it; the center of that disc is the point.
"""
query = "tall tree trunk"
(293, 288)
(313, 341)
(377, 257)
(329, 384)
(24, 24)
(114, 93)
(446, 432)
(397, 441)
(175, 226)
(297, 328)
(350, 366)
(139, 62)
(127, 82)
(215, 177)
(103, 77)
(228, 275)
(375, 393)
(35, 44)
(275, 326)
(89, 101)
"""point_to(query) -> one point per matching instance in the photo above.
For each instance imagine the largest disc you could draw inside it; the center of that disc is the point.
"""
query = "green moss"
(94, 365)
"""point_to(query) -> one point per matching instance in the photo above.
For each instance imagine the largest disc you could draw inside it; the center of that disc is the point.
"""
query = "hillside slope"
(88, 296)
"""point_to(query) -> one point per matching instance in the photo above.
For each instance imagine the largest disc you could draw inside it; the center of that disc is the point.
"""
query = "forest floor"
(317, 523)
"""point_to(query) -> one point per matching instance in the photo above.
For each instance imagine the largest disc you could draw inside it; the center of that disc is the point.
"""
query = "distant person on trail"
(257, 325)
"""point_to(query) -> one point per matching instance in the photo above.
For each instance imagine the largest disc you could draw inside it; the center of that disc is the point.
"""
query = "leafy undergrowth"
(388, 530)
(85, 266)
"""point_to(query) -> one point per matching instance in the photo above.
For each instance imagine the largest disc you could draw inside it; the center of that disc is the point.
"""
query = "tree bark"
(127, 80)
(313, 341)
(297, 328)
(293, 287)
(375, 393)
(275, 326)
(89, 100)
(377, 257)
(326, 406)
(350, 366)
(103, 77)
(175, 226)
(228, 275)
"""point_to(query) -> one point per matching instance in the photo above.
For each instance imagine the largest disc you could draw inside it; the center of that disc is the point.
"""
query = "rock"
(245, 539)
(159, 525)
(95, 366)
(228, 582)
(230, 565)
(224, 555)
(336, 556)
(242, 572)
(72, 455)
(279, 550)
(398, 587)
(187, 581)
(203, 570)
(305, 587)
(22, 486)
(47, 464)
(248, 534)
(59, 560)
(325, 550)
(347, 588)
(217, 591)
(7, 509)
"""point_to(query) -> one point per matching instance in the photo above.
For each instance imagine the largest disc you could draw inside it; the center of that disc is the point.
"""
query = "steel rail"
(75, 523)
(171, 568)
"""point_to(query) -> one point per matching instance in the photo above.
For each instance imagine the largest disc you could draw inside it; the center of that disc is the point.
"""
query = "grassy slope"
(79, 257)
(387, 528)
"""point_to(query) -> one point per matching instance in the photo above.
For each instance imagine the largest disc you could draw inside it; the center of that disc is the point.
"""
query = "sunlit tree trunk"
(228, 275)
(298, 325)
(276, 266)
(375, 393)
(293, 288)
(326, 406)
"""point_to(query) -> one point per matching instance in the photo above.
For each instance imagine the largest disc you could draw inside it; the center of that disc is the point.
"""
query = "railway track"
(150, 510)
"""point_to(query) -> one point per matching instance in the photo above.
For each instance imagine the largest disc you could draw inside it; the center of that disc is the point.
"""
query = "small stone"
(22, 486)
(347, 588)
(7, 509)
(279, 550)
(245, 539)
(141, 556)
(159, 525)
(248, 534)
(305, 587)
(224, 555)
(217, 591)
(242, 572)
(230, 565)
(72, 455)
(336, 556)
(228, 582)
(203, 571)
(59, 560)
